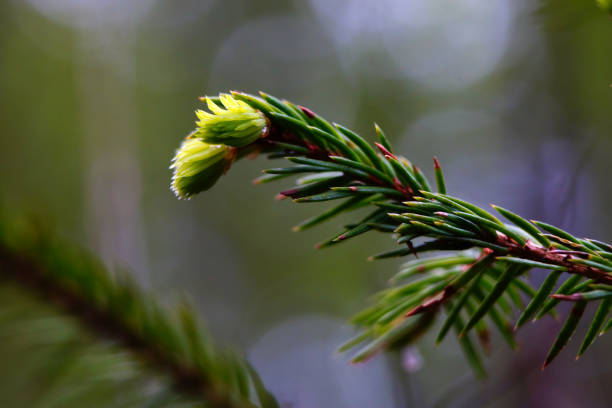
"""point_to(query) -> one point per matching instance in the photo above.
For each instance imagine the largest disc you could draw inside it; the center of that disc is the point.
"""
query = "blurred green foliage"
(93, 99)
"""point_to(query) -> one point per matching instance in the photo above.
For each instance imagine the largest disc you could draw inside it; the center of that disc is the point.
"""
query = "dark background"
(513, 97)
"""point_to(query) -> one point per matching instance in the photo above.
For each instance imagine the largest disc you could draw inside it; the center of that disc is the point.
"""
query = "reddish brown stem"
(550, 256)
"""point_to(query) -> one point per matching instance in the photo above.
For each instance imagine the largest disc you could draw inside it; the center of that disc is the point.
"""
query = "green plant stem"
(346, 167)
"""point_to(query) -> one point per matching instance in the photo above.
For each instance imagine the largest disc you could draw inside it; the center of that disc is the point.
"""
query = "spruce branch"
(114, 309)
(483, 265)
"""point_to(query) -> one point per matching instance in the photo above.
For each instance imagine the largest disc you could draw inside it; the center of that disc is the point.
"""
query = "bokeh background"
(513, 97)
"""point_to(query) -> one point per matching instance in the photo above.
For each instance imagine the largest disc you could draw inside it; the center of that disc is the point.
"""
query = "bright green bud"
(237, 125)
(197, 166)
(605, 5)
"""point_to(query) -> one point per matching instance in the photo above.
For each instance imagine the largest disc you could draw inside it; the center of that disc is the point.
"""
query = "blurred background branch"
(113, 309)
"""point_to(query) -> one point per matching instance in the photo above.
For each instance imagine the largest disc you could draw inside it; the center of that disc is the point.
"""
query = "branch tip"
(436, 163)
(307, 111)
